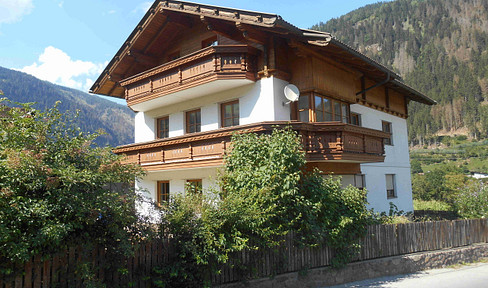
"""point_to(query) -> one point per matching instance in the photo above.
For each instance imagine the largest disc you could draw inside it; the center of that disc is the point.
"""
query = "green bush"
(432, 205)
(54, 187)
(472, 200)
(265, 193)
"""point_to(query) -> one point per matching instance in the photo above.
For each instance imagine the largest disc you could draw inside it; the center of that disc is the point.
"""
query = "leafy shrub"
(55, 187)
(432, 205)
(472, 200)
(265, 193)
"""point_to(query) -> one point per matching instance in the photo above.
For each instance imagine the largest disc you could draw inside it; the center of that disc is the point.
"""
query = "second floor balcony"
(322, 142)
(209, 70)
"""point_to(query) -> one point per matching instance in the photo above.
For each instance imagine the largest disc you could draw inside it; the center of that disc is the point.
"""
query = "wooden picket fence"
(63, 270)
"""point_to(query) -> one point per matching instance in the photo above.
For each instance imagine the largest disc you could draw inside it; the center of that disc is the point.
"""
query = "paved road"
(472, 276)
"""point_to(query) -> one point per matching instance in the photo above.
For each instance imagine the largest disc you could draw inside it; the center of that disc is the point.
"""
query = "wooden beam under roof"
(142, 58)
(251, 34)
(181, 19)
(303, 50)
(226, 30)
(156, 36)
(115, 77)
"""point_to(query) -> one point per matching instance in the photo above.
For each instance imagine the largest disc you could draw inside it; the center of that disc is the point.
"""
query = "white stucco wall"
(260, 101)
(143, 127)
(264, 102)
(397, 161)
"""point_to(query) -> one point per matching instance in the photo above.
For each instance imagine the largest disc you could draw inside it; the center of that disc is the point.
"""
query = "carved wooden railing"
(203, 66)
(321, 142)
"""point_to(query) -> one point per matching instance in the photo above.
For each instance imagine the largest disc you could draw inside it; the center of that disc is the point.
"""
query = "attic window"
(212, 41)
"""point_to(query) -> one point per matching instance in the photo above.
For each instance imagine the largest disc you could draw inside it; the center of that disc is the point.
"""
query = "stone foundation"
(357, 271)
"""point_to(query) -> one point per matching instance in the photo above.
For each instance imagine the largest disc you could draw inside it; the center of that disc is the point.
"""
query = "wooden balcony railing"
(321, 142)
(203, 66)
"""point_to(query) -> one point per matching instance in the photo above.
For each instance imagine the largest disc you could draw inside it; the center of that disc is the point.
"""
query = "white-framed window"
(390, 186)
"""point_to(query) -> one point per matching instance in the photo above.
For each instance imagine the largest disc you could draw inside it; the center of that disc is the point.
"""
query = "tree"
(265, 193)
(472, 200)
(56, 187)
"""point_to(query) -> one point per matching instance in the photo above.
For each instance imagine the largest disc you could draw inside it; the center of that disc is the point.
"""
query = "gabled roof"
(152, 24)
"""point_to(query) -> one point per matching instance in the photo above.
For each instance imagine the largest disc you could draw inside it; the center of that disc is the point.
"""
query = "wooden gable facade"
(180, 45)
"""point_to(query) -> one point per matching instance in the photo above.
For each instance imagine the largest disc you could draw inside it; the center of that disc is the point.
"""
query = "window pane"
(389, 181)
(318, 103)
(227, 122)
(328, 117)
(359, 179)
(345, 113)
(320, 116)
(327, 105)
(194, 186)
(304, 116)
(230, 114)
(337, 111)
(386, 127)
(228, 111)
(163, 192)
(355, 119)
(303, 102)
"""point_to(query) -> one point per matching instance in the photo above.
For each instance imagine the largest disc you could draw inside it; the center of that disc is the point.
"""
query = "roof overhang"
(108, 82)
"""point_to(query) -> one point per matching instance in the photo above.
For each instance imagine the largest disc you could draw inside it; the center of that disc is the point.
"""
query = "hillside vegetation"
(95, 113)
(440, 47)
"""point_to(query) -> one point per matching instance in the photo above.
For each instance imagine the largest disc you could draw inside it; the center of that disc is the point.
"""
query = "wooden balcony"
(322, 142)
(225, 62)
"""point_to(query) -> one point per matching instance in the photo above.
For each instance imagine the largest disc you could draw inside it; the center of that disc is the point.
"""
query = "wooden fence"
(63, 270)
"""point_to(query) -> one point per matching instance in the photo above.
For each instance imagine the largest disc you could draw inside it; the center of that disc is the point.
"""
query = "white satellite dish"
(291, 93)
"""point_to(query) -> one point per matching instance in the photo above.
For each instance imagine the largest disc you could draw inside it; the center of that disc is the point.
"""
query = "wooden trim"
(363, 88)
(222, 113)
(325, 141)
(251, 128)
(387, 98)
(189, 58)
(335, 167)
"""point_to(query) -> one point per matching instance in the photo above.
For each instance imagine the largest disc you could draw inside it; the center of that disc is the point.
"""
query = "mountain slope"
(94, 112)
(440, 47)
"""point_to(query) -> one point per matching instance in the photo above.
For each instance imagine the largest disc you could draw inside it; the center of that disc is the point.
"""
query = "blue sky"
(69, 42)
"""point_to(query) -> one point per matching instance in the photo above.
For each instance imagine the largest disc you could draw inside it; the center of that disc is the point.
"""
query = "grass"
(432, 205)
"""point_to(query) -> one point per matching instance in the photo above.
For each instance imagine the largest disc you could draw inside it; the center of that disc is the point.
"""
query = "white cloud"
(60, 4)
(13, 10)
(143, 7)
(111, 12)
(57, 67)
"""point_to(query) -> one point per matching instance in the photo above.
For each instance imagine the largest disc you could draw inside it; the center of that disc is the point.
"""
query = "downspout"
(388, 76)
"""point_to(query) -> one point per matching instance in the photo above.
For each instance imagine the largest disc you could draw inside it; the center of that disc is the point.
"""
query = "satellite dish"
(291, 93)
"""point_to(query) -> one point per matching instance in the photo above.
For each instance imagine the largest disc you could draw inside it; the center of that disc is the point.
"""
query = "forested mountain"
(440, 47)
(94, 112)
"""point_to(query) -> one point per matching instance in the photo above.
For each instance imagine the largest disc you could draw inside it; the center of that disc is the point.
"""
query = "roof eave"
(419, 97)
